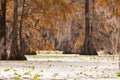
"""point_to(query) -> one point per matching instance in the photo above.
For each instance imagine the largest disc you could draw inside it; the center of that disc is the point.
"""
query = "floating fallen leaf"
(26, 73)
(118, 74)
(41, 70)
(6, 69)
(36, 76)
(17, 78)
(80, 72)
(33, 67)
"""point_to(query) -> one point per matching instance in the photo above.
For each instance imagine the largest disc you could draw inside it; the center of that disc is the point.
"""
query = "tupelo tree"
(3, 54)
(88, 48)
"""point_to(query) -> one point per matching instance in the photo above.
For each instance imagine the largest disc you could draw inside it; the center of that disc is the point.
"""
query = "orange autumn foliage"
(49, 45)
(10, 4)
(41, 23)
(106, 28)
(79, 41)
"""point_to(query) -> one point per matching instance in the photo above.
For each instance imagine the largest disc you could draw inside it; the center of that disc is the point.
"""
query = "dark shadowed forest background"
(72, 26)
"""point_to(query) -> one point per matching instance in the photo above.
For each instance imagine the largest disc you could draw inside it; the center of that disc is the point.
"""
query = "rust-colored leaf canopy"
(60, 9)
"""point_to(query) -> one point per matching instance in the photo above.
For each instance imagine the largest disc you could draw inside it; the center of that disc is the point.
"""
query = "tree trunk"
(3, 54)
(15, 53)
(22, 41)
(88, 48)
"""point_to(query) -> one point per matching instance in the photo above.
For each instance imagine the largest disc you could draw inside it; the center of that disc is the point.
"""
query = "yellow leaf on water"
(6, 69)
(26, 73)
(17, 78)
(33, 67)
(36, 76)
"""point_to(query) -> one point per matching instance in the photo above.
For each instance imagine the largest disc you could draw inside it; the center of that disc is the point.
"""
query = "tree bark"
(88, 48)
(22, 41)
(15, 53)
(3, 54)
